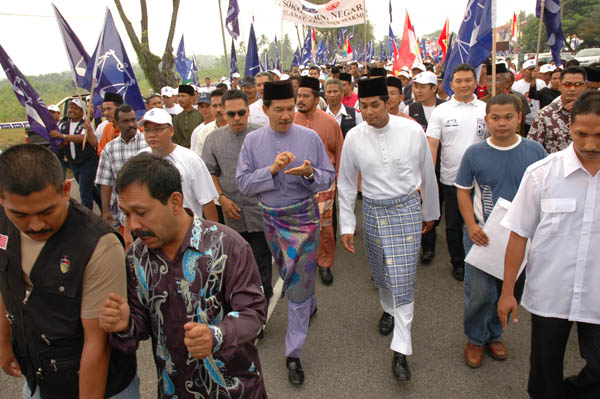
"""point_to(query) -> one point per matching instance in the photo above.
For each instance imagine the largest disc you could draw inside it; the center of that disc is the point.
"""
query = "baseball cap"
(167, 91)
(276, 72)
(420, 67)
(204, 97)
(236, 75)
(547, 68)
(529, 64)
(425, 78)
(158, 116)
(405, 74)
(78, 102)
(53, 108)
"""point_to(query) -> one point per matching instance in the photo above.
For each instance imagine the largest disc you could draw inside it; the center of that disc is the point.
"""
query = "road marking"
(276, 294)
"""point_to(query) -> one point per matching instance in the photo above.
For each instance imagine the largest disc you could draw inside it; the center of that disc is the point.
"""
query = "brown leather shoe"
(473, 355)
(497, 350)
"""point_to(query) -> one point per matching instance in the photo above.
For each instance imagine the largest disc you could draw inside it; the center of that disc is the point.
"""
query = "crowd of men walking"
(214, 184)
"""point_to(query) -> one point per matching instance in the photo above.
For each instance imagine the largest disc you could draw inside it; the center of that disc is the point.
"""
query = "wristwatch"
(310, 177)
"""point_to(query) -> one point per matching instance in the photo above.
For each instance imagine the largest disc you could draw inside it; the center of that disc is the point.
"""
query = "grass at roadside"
(10, 137)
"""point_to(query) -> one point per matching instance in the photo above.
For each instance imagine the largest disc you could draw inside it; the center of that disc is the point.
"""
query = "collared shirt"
(329, 131)
(257, 115)
(456, 125)
(184, 124)
(109, 133)
(202, 135)
(220, 153)
(196, 183)
(342, 112)
(258, 152)
(557, 208)
(112, 159)
(212, 280)
(551, 127)
(393, 161)
(194, 137)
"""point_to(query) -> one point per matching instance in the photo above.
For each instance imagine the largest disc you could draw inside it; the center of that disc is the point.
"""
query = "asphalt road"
(345, 357)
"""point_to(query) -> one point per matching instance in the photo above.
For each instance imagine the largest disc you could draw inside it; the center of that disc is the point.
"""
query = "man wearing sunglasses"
(551, 125)
(241, 212)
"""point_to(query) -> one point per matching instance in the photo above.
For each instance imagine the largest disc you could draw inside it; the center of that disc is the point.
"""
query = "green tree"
(581, 18)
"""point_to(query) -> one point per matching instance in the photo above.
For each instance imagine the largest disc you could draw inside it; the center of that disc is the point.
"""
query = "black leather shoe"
(400, 367)
(326, 276)
(458, 273)
(386, 324)
(295, 372)
(427, 256)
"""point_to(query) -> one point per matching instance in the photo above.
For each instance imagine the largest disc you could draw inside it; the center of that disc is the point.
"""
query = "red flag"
(409, 54)
(397, 66)
(443, 40)
(515, 28)
(314, 45)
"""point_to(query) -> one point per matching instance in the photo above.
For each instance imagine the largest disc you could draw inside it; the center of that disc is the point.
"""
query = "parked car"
(588, 56)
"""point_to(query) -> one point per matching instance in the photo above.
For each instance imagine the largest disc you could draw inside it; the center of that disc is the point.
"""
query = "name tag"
(451, 123)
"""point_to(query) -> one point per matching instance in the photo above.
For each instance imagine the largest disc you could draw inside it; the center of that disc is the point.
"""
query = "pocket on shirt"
(556, 213)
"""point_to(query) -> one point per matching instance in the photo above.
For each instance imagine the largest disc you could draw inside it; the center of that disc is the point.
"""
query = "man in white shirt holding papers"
(557, 207)
(393, 157)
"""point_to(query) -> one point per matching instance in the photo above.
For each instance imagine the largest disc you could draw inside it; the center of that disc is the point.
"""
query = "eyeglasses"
(156, 129)
(232, 114)
(572, 84)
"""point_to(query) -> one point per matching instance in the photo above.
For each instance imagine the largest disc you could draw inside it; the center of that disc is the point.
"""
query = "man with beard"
(392, 155)
(192, 287)
(112, 159)
(285, 165)
(186, 121)
(310, 116)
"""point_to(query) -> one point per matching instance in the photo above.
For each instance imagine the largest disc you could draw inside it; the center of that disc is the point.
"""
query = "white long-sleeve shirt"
(393, 161)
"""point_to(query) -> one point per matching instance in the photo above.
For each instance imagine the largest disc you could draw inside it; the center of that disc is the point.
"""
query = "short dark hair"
(29, 168)
(264, 73)
(298, 78)
(503, 99)
(160, 176)
(122, 108)
(314, 67)
(572, 62)
(574, 70)
(463, 68)
(587, 103)
(235, 94)
(221, 86)
(151, 96)
(217, 93)
(557, 70)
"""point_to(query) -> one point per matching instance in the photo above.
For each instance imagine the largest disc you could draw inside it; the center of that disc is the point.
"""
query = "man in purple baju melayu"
(285, 165)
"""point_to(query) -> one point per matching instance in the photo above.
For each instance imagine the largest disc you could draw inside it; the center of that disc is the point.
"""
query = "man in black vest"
(83, 161)
(74, 259)
(346, 117)
(424, 90)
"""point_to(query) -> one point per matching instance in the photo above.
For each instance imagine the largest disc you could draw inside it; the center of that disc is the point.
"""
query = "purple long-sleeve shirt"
(214, 280)
(260, 148)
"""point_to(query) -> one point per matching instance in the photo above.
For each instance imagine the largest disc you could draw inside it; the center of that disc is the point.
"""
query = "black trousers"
(262, 255)
(548, 342)
(454, 226)
(429, 239)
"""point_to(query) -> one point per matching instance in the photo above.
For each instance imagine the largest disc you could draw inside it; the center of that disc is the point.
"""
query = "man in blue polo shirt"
(489, 170)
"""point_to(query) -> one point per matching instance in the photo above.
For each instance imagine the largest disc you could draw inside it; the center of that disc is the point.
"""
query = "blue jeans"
(131, 392)
(85, 174)
(481, 322)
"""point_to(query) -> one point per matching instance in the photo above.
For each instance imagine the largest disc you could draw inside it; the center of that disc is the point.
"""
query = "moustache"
(38, 233)
(142, 234)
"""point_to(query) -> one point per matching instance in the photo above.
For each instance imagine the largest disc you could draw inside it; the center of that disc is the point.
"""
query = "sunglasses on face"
(572, 84)
(232, 114)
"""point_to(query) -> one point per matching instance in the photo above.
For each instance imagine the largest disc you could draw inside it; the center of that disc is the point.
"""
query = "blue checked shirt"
(113, 157)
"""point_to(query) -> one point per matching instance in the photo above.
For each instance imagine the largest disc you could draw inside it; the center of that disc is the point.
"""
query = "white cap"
(425, 78)
(405, 74)
(276, 72)
(236, 75)
(53, 108)
(405, 68)
(529, 64)
(389, 68)
(223, 78)
(547, 68)
(78, 102)
(304, 72)
(167, 91)
(419, 66)
(285, 76)
(158, 116)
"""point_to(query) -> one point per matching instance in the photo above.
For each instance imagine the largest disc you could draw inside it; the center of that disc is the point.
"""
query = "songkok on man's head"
(346, 76)
(187, 89)
(394, 82)
(378, 72)
(374, 87)
(280, 90)
(500, 68)
(311, 83)
(113, 97)
(593, 73)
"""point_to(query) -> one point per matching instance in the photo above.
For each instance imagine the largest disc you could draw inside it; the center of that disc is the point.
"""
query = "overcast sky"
(30, 36)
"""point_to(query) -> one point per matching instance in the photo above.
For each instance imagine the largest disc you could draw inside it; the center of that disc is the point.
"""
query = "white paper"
(490, 259)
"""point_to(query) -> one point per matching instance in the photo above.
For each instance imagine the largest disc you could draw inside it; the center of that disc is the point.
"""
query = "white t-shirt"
(174, 110)
(522, 87)
(100, 129)
(72, 128)
(194, 136)
(457, 125)
(257, 115)
(202, 135)
(196, 183)
(428, 111)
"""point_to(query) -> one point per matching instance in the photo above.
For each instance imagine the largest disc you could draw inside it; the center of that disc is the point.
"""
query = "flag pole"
(281, 47)
(537, 53)
(365, 36)
(493, 48)
(223, 34)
